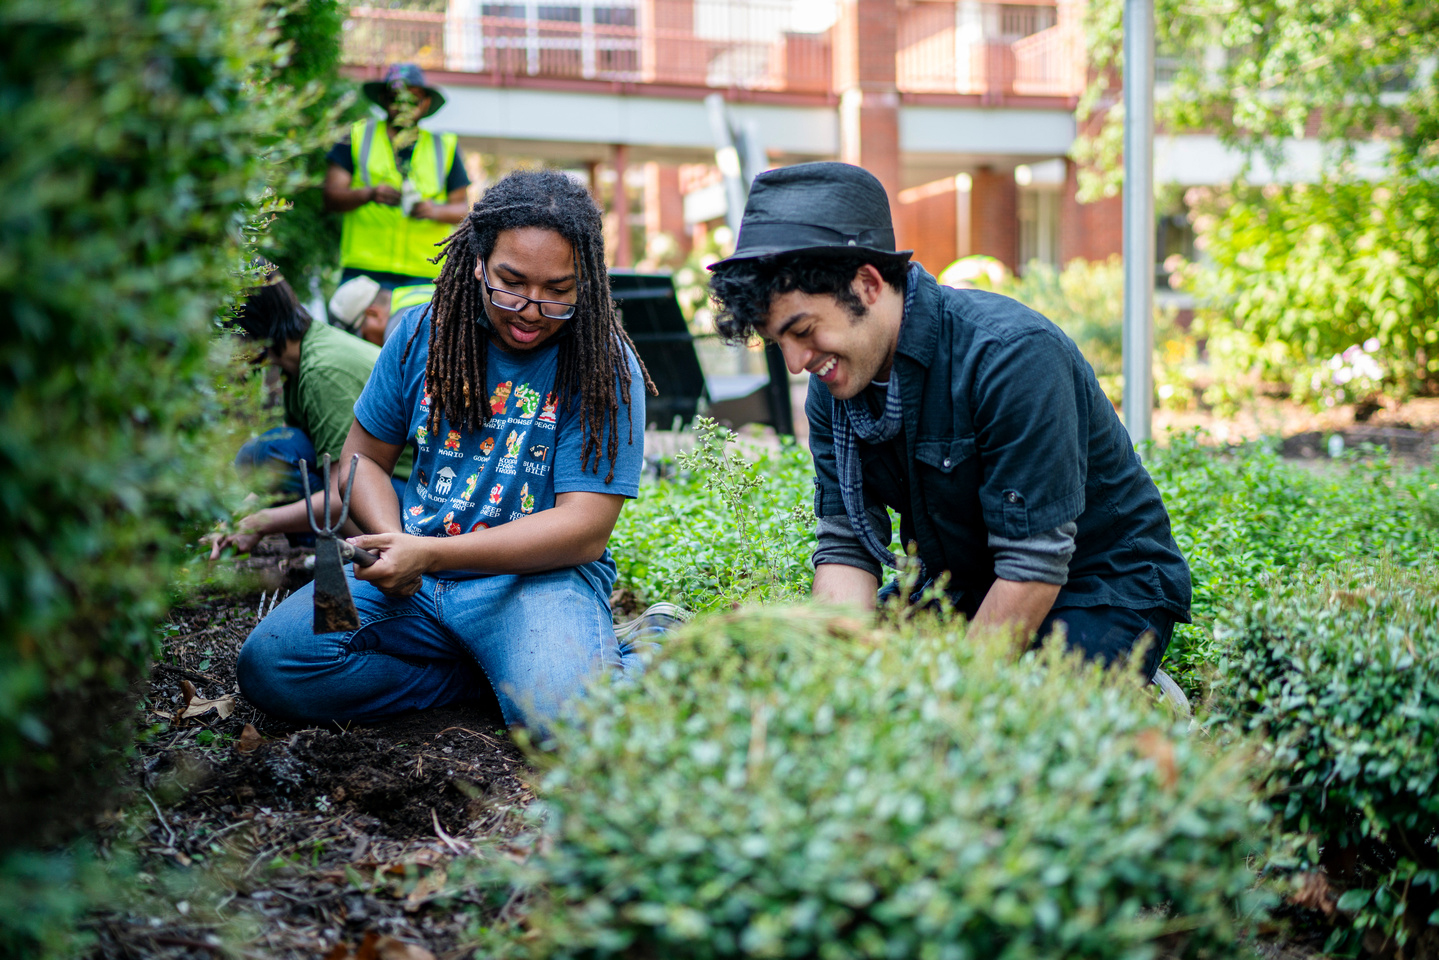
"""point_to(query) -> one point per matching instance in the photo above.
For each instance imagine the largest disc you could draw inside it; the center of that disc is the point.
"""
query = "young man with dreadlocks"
(973, 417)
(523, 400)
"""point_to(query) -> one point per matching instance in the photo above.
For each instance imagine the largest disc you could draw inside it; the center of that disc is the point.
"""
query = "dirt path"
(299, 842)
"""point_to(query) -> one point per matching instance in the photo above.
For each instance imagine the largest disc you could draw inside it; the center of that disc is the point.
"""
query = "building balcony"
(998, 52)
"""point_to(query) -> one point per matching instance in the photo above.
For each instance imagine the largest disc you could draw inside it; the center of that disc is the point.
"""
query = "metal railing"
(989, 49)
(943, 46)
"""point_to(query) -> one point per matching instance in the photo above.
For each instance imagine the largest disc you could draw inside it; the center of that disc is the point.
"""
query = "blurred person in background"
(324, 370)
(400, 188)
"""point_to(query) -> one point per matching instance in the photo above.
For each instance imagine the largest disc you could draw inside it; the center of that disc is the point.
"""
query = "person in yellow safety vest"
(400, 188)
(362, 307)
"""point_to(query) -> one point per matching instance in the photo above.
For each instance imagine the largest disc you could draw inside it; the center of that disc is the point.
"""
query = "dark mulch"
(302, 841)
(1401, 441)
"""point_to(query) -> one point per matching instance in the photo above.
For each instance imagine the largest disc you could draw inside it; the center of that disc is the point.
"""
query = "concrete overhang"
(566, 125)
(966, 136)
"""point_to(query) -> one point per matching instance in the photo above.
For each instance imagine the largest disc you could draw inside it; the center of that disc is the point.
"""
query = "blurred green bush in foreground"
(783, 782)
(140, 143)
(1339, 675)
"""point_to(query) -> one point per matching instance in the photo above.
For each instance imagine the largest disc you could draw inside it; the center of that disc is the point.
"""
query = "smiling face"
(533, 262)
(820, 335)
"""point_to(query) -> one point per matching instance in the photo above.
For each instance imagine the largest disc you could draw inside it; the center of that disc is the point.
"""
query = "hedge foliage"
(1242, 515)
(782, 782)
(1296, 276)
(139, 138)
(1340, 675)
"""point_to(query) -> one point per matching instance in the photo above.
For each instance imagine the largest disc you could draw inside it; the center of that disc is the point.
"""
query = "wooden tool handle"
(353, 554)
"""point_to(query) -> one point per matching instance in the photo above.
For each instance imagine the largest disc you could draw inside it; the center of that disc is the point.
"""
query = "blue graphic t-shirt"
(528, 452)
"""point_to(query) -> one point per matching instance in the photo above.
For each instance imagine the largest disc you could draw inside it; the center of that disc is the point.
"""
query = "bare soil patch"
(303, 842)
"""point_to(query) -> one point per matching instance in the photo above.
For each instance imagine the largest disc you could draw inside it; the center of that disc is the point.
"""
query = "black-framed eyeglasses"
(515, 302)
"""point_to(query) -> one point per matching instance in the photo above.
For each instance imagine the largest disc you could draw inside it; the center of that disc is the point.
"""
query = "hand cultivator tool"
(334, 607)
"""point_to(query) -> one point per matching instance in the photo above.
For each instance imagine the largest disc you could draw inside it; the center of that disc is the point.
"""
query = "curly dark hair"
(270, 312)
(743, 290)
(592, 343)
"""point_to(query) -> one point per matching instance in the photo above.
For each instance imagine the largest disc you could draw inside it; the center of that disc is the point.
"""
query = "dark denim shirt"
(1007, 431)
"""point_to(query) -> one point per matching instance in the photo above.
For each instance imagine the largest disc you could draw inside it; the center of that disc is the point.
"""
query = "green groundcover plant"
(722, 528)
(1339, 675)
(709, 537)
(1242, 515)
(782, 782)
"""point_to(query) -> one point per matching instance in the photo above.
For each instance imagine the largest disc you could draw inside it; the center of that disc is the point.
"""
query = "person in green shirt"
(324, 370)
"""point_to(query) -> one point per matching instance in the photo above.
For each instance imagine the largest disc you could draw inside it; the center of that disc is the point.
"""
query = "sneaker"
(1173, 695)
(657, 620)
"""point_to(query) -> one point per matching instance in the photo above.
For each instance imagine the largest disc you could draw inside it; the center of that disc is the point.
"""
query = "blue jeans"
(280, 451)
(534, 640)
(1106, 634)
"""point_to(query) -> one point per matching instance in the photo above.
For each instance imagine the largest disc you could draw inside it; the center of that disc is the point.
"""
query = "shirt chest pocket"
(947, 472)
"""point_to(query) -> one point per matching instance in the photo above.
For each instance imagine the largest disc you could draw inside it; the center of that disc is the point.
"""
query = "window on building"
(1038, 226)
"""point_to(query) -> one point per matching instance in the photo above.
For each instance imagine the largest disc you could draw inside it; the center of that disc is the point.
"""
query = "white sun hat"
(348, 304)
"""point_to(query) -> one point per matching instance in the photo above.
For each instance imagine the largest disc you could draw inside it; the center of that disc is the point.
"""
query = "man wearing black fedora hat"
(973, 417)
(400, 188)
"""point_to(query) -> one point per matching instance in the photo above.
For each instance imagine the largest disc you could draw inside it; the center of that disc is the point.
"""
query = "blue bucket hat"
(402, 75)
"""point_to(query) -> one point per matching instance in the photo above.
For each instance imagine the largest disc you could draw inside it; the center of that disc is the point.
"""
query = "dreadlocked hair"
(592, 344)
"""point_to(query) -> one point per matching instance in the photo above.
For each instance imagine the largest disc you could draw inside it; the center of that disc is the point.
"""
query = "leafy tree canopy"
(1259, 72)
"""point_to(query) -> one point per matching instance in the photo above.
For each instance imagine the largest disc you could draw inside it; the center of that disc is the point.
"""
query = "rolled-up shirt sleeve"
(837, 542)
(1043, 558)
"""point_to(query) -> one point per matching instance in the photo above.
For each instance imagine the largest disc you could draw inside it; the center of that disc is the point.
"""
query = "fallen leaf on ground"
(429, 887)
(390, 948)
(1315, 894)
(376, 947)
(249, 740)
(224, 706)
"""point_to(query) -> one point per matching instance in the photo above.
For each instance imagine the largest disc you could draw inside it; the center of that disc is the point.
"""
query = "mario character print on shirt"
(500, 397)
(527, 500)
(486, 448)
(547, 414)
(469, 491)
(452, 440)
(528, 401)
(452, 529)
(497, 493)
(421, 435)
(479, 525)
(444, 480)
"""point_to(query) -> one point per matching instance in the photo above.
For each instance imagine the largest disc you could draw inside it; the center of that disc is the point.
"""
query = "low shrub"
(1340, 676)
(721, 528)
(785, 783)
(1242, 515)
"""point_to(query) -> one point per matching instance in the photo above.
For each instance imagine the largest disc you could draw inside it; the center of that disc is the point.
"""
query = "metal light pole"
(1138, 217)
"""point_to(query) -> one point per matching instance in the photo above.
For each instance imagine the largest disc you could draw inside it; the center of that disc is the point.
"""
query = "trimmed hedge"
(1340, 675)
(138, 139)
(786, 783)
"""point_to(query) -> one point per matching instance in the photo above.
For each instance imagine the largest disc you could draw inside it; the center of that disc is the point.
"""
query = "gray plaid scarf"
(852, 423)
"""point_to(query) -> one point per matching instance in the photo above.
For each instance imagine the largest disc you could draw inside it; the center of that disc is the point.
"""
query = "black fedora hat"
(818, 209)
(402, 75)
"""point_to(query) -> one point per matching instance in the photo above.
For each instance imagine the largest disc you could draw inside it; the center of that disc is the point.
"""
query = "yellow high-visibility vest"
(402, 297)
(380, 237)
